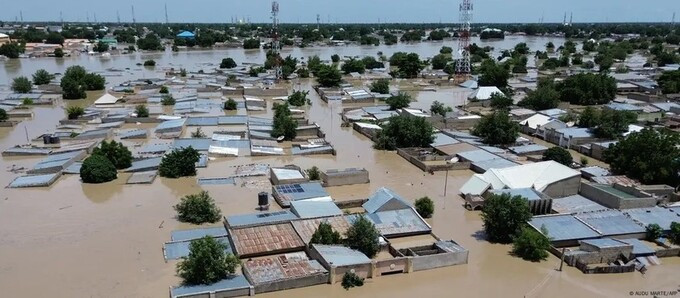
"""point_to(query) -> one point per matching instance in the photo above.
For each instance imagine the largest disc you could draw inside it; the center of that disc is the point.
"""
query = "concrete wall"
(220, 294)
(439, 260)
(306, 281)
(419, 161)
(668, 252)
(391, 266)
(342, 177)
(265, 92)
(563, 188)
(361, 270)
(609, 200)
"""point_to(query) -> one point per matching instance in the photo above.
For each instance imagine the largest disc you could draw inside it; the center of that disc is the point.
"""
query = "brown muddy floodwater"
(76, 240)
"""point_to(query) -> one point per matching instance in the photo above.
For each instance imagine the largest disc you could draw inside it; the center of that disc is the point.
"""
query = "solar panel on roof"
(293, 188)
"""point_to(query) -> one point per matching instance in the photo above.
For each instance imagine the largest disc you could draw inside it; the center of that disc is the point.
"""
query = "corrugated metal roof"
(528, 149)
(563, 227)
(184, 235)
(476, 185)
(145, 165)
(385, 199)
(177, 250)
(499, 163)
(527, 193)
(576, 204)
(243, 220)
(611, 223)
(639, 247)
(170, 125)
(478, 155)
(202, 121)
(398, 222)
(301, 191)
(35, 180)
(440, 139)
(232, 283)
(198, 144)
(654, 215)
(338, 256)
(604, 243)
(312, 209)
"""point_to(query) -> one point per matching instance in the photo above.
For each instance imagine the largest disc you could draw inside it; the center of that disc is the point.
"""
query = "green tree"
(335, 58)
(58, 52)
(405, 131)
(589, 118)
(22, 85)
(42, 77)
(150, 42)
(669, 81)
(167, 100)
(328, 76)
(410, 66)
(230, 105)
(371, 63)
(313, 173)
(198, 209)
(363, 236)
(446, 50)
(440, 61)
(438, 108)
(353, 65)
(674, 235)
(522, 48)
(150, 63)
(438, 35)
(207, 262)
(425, 207)
(73, 112)
(54, 38)
(650, 156)
(198, 133)
(97, 169)
(500, 101)
(142, 111)
(531, 245)
(504, 216)
(351, 280)
(119, 155)
(587, 89)
(251, 43)
(497, 129)
(76, 81)
(179, 163)
(314, 64)
(3, 115)
(325, 234)
(493, 74)
(164, 90)
(100, 47)
(228, 63)
(558, 154)
(399, 101)
(612, 124)
(284, 124)
(298, 98)
(11, 50)
(381, 86)
(654, 231)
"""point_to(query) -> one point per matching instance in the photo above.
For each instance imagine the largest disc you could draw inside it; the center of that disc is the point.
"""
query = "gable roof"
(534, 175)
(385, 199)
(484, 93)
(536, 120)
(106, 99)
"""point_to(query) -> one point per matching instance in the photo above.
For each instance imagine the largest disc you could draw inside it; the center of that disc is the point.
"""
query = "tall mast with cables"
(463, 67)
(276, 45)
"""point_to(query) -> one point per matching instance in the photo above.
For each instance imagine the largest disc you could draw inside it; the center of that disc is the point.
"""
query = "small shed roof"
(536, 120)
(232, 283)
(341, 256)
(243, 220)
(563, 227)
(312, 209)
(106, 99)
(484, 93)
(385, 199)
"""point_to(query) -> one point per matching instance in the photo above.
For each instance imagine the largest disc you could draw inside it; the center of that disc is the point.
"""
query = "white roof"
(415, 112)
(475, 186)
(106, 99)
(534, 175)
(633, 128)
(368, 125)
(536, 120)
(484, 93)
(3, 35)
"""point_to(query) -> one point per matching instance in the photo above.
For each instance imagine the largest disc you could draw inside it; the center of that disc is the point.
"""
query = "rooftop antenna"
(276, 46)
(21, 16)
(134, 21)
(118, 16)
(571, 18)
(463, 64)
(318, 21)
(166, 13)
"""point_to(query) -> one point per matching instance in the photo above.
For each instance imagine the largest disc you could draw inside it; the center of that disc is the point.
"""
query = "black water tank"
(46, 139)
(54, 140)
(263, 199)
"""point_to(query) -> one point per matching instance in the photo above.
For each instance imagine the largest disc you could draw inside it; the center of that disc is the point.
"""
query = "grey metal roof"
(611, 223)
(563, 227)
(338, 256)
(57, 162)
(661, 216)
(576, 204)
(170, 125)
(202, 121)
(498, 163)
(232, 120)
(327, 149)
(142, 177)
(74, 168)
(595, 171)
(145, 165)
(26, 151)
(440, 139)
(301, 191)
(155, 148)
(183, 235)
(216, 181)
(34, 180)
(133, 134)
(604, 243)
(313, 209)
(527, 149)
(478, 155)
(243, 220)
(616, 106)
(385, 199)
(399, 222)
(177, 250)
(232, 283)
(575, 132)
(639, 247)
(528, 193)
(198, 144)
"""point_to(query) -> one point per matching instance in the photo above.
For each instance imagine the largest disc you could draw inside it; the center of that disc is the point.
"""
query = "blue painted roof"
(604, 243)
(145, 165)
(661, 216)
(639, 247)
(382, 197)
(575, 132)
(186, 34)
(233, 283)
(243, 220)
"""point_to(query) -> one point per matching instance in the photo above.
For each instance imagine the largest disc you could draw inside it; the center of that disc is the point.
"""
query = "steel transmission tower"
(463, 64)
(134, 21)
(166, 14)
(276, 45)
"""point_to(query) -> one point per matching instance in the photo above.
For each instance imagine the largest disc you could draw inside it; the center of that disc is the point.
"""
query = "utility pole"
(673, 20)
(562, 259)
(118, 16)
(166, 13)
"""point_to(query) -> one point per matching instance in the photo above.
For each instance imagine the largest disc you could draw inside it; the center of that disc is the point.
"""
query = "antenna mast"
(118, 16)
(134, 21)
(463, 64)
(166, 13)
(276, 46)
(318, 21)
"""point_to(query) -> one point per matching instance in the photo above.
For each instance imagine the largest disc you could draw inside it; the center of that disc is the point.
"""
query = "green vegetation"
(228, 63)
(587, 89)
(22, 85)
(425, 207)
(584, 161)
(606, 124)
(504, 216)
(58, 53)
(650, 156)
(27, 102)
(412, 36)
(669, 81)
(97, 169)
(363, 236)
(497, 129)
(351, 280)
(654, 231)
(492, 34)
(409, 65)
(164, 90)
(42, 77)
(11, 50)
(446, 50)
(230, 104)
(381, 86)
(353, 65)
(674, 235)
(327, 75)
(371, 63)
(77, 80)
(531, 245)
(399, 101)
(558, 154)
(438, 108)
(179, 163)
(150, 42)
(207, 262)
(335, 58)
(500, 101)
(3, 115)
(313, 173)
(142, 111)
(73, 112)
(150, 63)
(119, 155)
(100, 47)
(198, 209)
(284, 124)
(298, 98)
(543, 98)
(493, 74)
(252, 43)
(440, 61)
(325, 234)
(198, 134)
(167, 100)
(404, 131)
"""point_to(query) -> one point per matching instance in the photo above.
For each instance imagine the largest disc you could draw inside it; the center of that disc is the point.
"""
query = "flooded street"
(78, 240)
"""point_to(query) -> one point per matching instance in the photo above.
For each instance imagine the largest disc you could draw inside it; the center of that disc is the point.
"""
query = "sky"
(345, 11)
